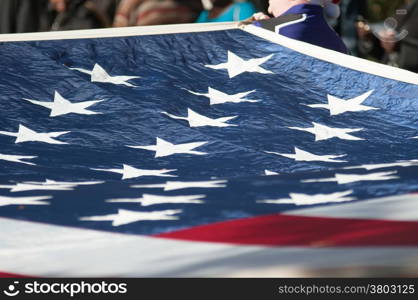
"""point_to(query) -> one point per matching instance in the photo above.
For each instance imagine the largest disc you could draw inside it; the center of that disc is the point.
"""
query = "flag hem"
(117, 32)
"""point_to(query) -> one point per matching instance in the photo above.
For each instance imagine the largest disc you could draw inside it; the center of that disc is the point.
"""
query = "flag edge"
(344, 60)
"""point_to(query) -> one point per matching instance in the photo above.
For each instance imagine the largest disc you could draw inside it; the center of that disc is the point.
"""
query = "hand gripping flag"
(203, 151)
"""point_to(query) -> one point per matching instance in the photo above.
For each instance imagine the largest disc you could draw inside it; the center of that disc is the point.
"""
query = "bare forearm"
(123, 12)
(126, 6)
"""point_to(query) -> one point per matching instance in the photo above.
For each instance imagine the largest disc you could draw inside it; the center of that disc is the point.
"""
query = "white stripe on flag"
(394, 208)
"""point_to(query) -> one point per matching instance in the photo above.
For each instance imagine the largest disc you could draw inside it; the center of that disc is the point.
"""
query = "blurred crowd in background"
(381, 30)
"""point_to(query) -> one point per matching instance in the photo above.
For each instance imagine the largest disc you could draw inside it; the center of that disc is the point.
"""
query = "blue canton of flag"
(210, 153)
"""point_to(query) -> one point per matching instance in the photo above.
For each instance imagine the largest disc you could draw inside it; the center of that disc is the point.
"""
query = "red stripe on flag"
(9, 275)
(287, 230)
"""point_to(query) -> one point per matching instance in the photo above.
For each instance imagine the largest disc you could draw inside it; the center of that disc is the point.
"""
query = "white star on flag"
(338, 106)
(402, 163)
(236, 65)
(301, 155)
(17, 158)
(98, 74)
(148, 199)
(323, 132)
(129, 172)
(304, 199)
(48, 185)
(218, 97)
(197, 120)
(178, 185)
(25, 134)
(269, 173)
(4, 201)
(61, 106)
(350, 178)
(75, 183)
(163, 148)
(21, 187)
(124, 216)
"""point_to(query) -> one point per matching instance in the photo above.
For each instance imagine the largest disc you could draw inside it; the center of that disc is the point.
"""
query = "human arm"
(123, 11)
(255, 17)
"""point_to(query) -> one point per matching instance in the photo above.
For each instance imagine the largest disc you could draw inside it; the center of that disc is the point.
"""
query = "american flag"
(203, 151)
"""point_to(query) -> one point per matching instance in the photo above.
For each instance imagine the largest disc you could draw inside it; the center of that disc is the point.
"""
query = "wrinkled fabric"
(169, 67)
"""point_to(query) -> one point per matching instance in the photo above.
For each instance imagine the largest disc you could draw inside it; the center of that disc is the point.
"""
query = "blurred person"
(106, 7)
(368, 45)
(303, 20)
(79, 14)
(379, 10)
(156, 12)
(351, 12)
(400, 38)
(225, 11)
(17, 16)
(261, 5)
